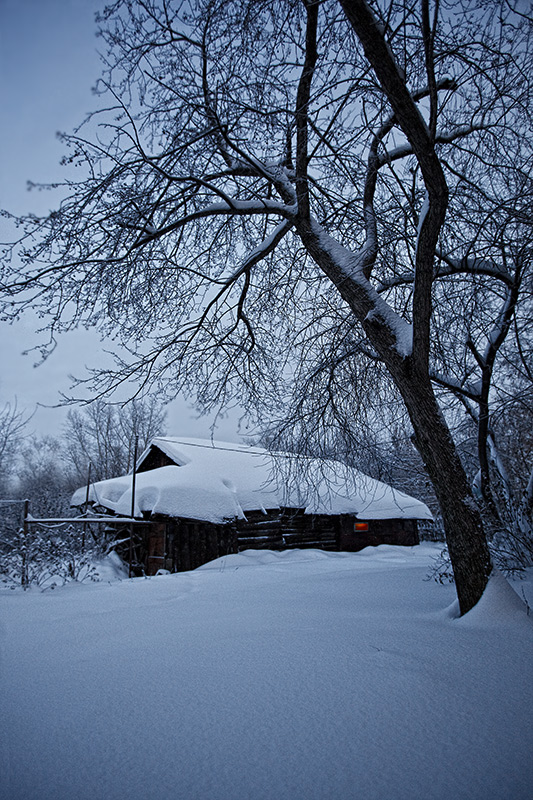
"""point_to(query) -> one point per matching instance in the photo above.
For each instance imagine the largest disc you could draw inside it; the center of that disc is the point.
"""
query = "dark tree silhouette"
(284, 195)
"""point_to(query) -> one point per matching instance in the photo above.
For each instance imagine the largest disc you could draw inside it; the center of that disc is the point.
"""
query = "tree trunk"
(465, 535)
(467, 544)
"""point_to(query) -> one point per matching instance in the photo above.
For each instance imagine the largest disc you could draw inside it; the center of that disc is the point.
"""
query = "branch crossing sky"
(49, 63)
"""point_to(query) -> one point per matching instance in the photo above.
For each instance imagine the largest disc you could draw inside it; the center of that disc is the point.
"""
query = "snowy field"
(263, 676)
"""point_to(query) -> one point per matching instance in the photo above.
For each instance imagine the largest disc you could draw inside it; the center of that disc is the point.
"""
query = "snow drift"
(301, 675)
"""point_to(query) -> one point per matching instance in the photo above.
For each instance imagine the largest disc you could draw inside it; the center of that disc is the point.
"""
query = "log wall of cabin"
(286, 529)
(179, 545)
(380, 531)
(191, 543)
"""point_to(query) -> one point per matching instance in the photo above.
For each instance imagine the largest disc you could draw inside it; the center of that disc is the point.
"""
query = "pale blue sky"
(48, 65)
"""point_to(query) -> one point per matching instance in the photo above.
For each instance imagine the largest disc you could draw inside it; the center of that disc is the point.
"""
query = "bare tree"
(285, 196)
(12, 425)
(43, 477)
(104, 435)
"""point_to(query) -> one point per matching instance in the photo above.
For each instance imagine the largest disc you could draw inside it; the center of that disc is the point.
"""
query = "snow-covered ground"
(296, 675)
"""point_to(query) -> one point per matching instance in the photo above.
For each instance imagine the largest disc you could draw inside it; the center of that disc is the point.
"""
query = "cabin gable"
(155, 458)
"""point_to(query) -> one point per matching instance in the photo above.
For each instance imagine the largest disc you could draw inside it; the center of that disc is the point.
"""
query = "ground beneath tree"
(263, 676)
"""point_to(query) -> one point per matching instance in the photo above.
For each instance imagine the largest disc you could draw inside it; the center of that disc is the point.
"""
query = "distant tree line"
(97, 442)
(47, 469)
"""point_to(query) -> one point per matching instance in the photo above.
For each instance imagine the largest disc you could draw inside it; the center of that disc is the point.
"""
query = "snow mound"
(111, 568)
(383, 555)
(499, 606)
(261, 558)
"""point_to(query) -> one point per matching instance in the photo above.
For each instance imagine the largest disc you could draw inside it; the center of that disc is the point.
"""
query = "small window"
(359, 527)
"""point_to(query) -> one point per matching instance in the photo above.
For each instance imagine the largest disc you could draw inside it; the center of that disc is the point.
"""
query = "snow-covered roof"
(217, 481)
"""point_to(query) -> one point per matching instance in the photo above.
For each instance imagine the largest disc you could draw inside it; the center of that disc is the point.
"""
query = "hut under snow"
(202, 499)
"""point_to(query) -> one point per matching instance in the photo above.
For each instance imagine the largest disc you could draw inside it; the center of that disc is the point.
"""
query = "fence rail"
(88, 520)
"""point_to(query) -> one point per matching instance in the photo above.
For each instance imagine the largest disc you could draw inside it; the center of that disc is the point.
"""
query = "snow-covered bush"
(48, 557)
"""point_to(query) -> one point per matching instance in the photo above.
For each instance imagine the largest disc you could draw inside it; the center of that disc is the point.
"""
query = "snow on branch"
(472, 391)
(452, 266)
(267, 246)
(376, 310)
(229, 208)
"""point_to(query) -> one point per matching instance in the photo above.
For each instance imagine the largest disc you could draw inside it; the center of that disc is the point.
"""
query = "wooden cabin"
(202, 500)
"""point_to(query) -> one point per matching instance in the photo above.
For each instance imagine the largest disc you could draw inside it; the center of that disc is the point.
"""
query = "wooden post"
(133, 501)
(24, 578)
(86, 506)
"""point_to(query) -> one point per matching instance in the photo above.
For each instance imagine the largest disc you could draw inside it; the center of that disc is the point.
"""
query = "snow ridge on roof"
(218, 481)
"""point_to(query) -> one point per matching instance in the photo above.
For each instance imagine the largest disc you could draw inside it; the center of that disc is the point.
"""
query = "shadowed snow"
(301, 675)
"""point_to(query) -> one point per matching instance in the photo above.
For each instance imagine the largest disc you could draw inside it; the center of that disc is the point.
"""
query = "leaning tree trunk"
(462, 520)
(350, 272)
(467, 544)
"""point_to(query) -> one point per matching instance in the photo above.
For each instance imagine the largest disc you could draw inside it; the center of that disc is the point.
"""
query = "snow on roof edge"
(215, 481)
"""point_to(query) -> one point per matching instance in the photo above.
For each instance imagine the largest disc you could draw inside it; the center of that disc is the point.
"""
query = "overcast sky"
(48, 65)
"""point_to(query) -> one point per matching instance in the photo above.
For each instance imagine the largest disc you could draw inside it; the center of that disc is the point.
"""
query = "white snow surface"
(300, 675)
(220, 481)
